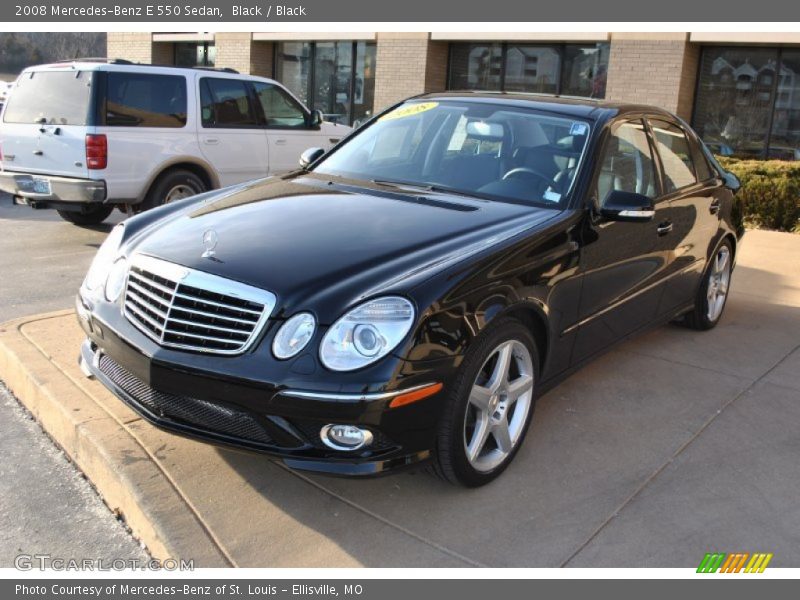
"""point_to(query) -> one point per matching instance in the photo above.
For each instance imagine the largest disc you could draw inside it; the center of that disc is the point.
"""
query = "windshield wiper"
(426, 187)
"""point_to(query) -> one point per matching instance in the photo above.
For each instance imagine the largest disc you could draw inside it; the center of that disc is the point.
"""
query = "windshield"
(481, 149)
(58, 97)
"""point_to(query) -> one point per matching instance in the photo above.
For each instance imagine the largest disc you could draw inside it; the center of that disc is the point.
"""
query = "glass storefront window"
(195, 54)
(532, 69)
(568, 69)
(585, 71)
(293, 67)
(748, 102)
(476, 66)
(337, 78)
(784, 140)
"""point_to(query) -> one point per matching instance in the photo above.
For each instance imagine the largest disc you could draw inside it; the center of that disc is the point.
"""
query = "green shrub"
(770, 193)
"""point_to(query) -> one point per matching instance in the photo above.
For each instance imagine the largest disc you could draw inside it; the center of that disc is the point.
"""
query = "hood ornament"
(210, 240)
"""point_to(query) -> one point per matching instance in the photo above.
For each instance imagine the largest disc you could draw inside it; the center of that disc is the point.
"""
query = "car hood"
(324, 246)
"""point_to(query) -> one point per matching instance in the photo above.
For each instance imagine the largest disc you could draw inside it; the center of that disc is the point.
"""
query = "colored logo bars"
(734, 563)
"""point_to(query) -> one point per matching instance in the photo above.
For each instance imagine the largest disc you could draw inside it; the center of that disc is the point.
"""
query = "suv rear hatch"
(46, 120)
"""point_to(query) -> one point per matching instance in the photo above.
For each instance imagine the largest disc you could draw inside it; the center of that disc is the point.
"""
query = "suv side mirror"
(315, 118)
(627, 206)
(309, 156)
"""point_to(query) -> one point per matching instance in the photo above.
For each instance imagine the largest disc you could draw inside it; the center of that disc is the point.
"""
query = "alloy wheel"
(499, 402)
(718, 282)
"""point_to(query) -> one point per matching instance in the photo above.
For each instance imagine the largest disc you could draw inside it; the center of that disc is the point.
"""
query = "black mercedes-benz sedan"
(405, 297)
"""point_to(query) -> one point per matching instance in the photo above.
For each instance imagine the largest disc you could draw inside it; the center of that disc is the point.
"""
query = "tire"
(170, 186)
(89, 215)
(713, 293)
(460, 458)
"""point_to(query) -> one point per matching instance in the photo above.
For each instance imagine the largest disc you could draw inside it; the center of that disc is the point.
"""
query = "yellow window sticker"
(409, 110)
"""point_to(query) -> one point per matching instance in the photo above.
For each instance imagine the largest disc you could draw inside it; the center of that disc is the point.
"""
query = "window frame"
(100, 99)
(251, 99)
(610, 126)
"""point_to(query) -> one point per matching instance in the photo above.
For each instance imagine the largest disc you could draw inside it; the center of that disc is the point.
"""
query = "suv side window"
(627, 163)
(675, 153)
(145, 100)
(226, 103)
(278, 107)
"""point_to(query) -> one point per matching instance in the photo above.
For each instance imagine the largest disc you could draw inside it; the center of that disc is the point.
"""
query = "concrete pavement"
(674, 444)
(46, 506)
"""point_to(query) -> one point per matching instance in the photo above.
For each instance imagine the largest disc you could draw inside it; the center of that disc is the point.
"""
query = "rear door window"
(58, 97)
(226, 103)
(145, 100)
(676, 155)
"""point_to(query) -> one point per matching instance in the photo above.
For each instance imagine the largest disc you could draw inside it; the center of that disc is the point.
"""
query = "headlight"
(104, 259)
(293, 335)
(366, 333)
(116, 279)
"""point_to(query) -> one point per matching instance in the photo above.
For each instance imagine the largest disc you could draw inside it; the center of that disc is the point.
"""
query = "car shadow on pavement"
(597, 443)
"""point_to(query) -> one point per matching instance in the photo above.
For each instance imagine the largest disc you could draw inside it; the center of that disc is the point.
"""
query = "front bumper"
(281, 421)
(62, 189)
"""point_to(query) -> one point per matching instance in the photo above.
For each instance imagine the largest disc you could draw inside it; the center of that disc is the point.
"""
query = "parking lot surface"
(674, 444)
(45, 504)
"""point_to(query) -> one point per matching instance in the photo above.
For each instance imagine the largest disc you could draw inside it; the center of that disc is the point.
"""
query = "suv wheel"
(171, 186)
(88, 215)
(490, 406)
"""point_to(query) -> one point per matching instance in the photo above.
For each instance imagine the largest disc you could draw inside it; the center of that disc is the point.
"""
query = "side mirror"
(627, 206)
(309, 156)
(315, 118)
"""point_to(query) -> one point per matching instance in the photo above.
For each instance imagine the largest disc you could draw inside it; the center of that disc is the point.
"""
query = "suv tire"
(170, 186)
(89, 215)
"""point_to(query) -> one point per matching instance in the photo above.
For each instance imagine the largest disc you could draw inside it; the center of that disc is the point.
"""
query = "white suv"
(85, 136)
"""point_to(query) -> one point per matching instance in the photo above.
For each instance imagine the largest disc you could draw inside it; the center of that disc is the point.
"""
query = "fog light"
(345, 437)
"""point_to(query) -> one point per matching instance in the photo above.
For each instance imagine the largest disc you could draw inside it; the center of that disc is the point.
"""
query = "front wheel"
(88, 215)
(713, 293)
(489, 407)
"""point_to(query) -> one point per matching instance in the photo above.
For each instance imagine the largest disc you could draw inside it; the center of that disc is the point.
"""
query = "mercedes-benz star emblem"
(210, 242)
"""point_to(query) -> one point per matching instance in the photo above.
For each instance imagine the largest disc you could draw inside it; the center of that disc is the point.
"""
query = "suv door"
(230, 136)
(287, 126)
(622, 269)
(694, 201)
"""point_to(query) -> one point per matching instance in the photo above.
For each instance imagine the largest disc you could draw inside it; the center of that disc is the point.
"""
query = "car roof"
(126, 66)
(573, 106)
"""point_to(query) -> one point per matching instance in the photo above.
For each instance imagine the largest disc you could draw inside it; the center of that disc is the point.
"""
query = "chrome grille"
(193, 310)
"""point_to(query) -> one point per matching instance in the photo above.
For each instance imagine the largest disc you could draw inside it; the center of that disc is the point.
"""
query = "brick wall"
(238, 51)
(136, 47)
(407, 64)
(653, 70)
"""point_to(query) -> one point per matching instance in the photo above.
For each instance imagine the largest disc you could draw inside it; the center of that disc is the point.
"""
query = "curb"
(127, 478)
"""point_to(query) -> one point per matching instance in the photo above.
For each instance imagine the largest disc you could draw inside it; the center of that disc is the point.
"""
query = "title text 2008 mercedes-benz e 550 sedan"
(406, 297)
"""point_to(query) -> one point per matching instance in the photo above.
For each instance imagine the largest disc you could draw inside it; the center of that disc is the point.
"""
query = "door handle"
(664, 228)
(280, 142)
(714, 206)
(211, 141)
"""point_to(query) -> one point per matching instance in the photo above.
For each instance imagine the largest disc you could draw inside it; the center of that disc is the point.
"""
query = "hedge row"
(770, 192)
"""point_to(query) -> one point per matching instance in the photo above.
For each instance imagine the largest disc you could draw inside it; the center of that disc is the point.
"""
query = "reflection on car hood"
(321, 246)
